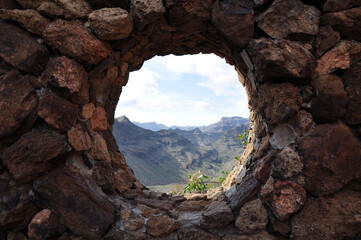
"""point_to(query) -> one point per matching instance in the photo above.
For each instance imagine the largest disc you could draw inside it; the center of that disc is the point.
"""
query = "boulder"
(263, 167)
(99, 121)
(43, 225)
(121, 182)
(216, 216)
(287, 165)
(132, 219)
(283, 136)
(329, 164)
(145, 12)
(351, 79)
(193, 206)
(99, 151)
(87, 110)
(103, 175)
(302, 122)
(21, 49)
(252, 217)
(62, 35)
(325, 40)
(161, 225)
(290, 19)
(79, 139)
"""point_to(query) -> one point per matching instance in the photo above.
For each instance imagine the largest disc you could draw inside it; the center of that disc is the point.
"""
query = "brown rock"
(216, 194)
(346, 22)
(278, 101)
(51, 9)
(99, 120)
(30, 19)
(88, 110)
(21, 49)
(17, 101)
(132, 219)
(276, 226)
(267, 188)
(258, 3)
(146, 11)
(252, 217)
(43, 225)
(8, 4)
(263, 167)
(62, 35)
(147, 211)
(57, 111)
(112, 74)
(111, 23)
(331, 100)
(79, 140)
(216, 216)
(99, 151)
(97, 4)
(189, 16)
(62, 72)
(161, 225)
(226, 16)
(121, 182)
(329, 164)
(287, 198)
(16, 236)
(77, 200)
(302, 122)
(335, 59)
(35, 153)
(100, 89)
(288, 60)
(351, 79)
(334, 217)
(195, 233)
(326, 39)
(335, 6)
(290, 19)
(154, 203)
(287, 164)
(103, 175)
(193, 206)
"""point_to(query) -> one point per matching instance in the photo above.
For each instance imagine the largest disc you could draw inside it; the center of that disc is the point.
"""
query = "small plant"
(199, 183)
(243, 138)
(177, 189)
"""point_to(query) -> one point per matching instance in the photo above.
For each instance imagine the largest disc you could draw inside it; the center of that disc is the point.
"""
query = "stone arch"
(63, 176)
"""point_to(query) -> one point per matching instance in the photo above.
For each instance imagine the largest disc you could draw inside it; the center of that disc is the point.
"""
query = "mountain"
(226, 123)
(151, 126)
(169, 155)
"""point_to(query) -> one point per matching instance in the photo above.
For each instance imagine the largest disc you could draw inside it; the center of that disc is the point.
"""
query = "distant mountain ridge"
(169, 155)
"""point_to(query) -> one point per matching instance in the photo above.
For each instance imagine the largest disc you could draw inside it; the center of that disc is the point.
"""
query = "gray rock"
(283, 136)
(252, 217)
(216, 216)
(287, 165)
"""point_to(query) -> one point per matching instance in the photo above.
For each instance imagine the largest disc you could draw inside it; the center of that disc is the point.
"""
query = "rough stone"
(131, 219)
(351, 79)
(43, 225)
(290, 19)
(287, 198)
(30, 19)
(334, 217)
(8, 4)
(161, 225)
(16, 236)
(258, 3)
(88, 110)
(62, 35)
(302, 122)
(57, 111)
(331, 100)
(64, 73)
(78, 139)
(287, 165)
(216, 216)
(288, 60)
(103, 175)
(335, 6)
(34, 154)
(329, 164)
(99, 151)
(100, 89)
(147, 211)
(188, 219)
(346, 22)
(99, 121)
(252, 217)
(17, 101)
(283, 136)
(77, 200)
(154, 203)
(145, 11)
(226, 16)
(111, 23)
(112, 74)
(216, 194)
(267, 188)
(193, 206)
(21, 49)
(121, 182)
(263, 167)
(189, 16)
(325, 40)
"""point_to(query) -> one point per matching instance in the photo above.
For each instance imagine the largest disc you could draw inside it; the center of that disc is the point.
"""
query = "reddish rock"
(193, 206)
(112, 74)
(62, 72)
(78, 139)
(263, 148)
(145, 12)
(335, 5)
(77, 200)
(216, 216)
(252, 217)
(103, 175)
(147, 211)
(62, 35)
(351, 79)
(51, 9)
(17, 101)
(43, 225)
(288, 60)
(132, 220)
(263, 167)
(30, 19)
(267, 188)
(287, 198)
(34, 154)
(111, 23)
(346, 22)
(226, 16)
(189, 15)
(57, 111)
(161, 225)
(99, 120)
(302, 122)
(331, 100)
(154, 203)
(21, 49)
(290, 19)
(88, 110)
(329, 164)
(326, 39)
(99, 151)
(277, 101)
(287, 164)
(121, 182)
(100, 89)
(334, 217)
(335, 59)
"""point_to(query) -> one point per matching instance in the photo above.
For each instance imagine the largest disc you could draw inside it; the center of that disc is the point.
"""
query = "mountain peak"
(123, 119)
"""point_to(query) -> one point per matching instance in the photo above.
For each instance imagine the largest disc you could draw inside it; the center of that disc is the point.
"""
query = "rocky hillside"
(169, 155)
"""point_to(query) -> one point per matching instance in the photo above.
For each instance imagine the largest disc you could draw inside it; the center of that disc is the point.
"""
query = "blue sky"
(190, 90)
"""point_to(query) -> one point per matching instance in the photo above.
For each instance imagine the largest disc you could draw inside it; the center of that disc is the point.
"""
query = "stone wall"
(62, 68)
